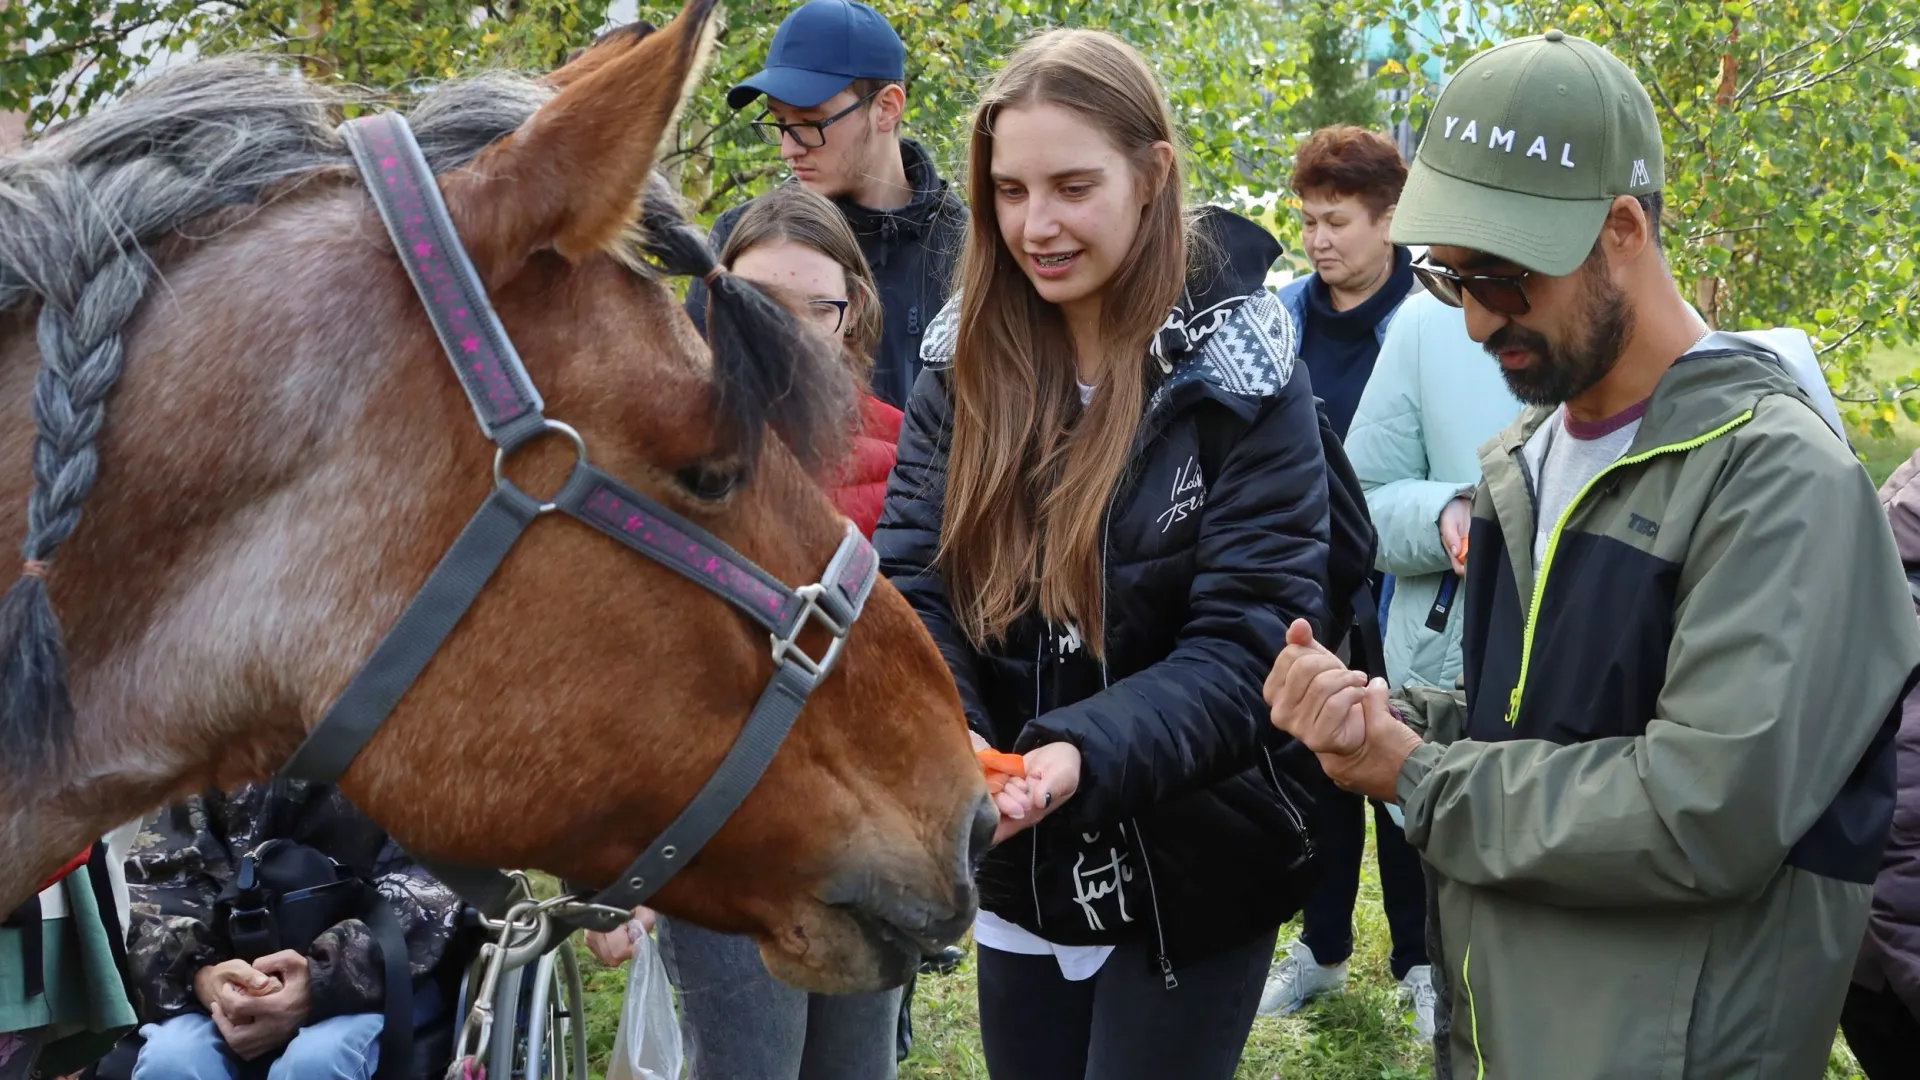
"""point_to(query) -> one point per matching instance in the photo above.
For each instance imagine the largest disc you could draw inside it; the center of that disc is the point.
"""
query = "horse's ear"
(570, 178)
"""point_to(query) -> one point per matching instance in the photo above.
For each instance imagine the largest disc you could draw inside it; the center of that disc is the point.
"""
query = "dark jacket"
(1340, 347)
(913, 251)
(1215, 539)
(189, 852)
(1890, 958)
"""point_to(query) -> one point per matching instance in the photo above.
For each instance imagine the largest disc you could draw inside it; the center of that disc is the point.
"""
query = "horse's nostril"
(985, 820)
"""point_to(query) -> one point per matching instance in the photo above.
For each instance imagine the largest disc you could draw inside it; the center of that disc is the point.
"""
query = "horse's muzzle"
(907, 920)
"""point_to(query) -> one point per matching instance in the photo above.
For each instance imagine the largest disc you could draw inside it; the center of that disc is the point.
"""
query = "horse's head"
(288, 454)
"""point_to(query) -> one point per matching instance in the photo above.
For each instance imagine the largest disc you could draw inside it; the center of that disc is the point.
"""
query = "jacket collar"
(1227, 334)
(930, 199)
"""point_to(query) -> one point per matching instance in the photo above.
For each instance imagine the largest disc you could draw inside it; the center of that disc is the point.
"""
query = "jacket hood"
(1794, 350)
(931, 197)
(1227, 332)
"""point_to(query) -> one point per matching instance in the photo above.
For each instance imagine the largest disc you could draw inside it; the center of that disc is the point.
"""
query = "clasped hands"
(1339, 715)
(257, 1007)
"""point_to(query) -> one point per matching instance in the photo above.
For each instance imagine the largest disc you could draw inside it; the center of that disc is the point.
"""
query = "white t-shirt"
(1563, 454)
(1076, 962)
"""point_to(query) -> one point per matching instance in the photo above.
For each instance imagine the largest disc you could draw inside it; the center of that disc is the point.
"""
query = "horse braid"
(81, 355)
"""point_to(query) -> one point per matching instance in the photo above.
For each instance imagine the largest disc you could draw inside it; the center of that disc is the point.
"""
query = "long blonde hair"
(1030, 471)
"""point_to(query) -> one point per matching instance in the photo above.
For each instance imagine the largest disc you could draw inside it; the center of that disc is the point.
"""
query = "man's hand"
(1053, 775)
(615, 947)
(1339, 715)
(1314, 697)
(230, 982)
(1374, 769)
(263, 1024)
(1456, 520)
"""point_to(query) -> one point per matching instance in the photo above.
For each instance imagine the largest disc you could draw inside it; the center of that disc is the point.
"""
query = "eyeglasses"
(821, 310)
(811, 134)
(1502, 294)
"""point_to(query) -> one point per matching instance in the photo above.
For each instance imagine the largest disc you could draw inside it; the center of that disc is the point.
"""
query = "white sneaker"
(1416, 990)
(1297, 979)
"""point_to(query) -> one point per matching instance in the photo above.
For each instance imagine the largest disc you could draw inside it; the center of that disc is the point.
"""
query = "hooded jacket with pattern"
(1214, 539)
(913, 251)
(189, 852)
(1656, 813)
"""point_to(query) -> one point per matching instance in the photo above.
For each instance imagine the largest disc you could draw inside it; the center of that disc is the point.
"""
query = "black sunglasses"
(811, 134)
(1502, 294)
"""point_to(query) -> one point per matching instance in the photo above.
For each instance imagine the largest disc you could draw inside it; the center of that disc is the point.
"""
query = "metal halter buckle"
(500, 457)
(811, 610)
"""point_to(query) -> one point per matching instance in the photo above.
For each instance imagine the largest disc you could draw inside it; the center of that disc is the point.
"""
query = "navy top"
(1339, 347)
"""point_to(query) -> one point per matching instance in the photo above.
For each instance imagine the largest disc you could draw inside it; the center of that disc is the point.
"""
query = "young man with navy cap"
(834, 89)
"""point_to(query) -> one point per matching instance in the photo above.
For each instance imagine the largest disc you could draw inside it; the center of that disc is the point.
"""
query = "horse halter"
(509, 409)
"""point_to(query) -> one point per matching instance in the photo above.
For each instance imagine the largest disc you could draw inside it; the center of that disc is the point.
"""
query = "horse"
(248, 452)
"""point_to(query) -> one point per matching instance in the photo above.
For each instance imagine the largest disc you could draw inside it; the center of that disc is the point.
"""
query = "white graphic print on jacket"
(1092, 884)
(1189, 495)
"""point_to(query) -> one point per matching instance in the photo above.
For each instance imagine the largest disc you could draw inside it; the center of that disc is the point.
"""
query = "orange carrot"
(995, 761)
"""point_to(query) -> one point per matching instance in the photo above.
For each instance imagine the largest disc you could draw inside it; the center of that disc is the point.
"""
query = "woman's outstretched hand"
(1053, 775)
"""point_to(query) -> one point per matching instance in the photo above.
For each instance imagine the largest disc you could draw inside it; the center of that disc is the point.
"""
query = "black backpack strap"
(1367, 642)
(396, 1033)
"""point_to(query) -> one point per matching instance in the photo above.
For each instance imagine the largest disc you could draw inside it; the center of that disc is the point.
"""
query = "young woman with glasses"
(799, 245)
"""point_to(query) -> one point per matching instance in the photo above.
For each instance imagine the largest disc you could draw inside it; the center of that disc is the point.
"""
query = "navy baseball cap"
(819, 49)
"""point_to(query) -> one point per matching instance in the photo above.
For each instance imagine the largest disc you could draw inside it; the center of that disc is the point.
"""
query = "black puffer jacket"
(913, 251)
(1215, 540)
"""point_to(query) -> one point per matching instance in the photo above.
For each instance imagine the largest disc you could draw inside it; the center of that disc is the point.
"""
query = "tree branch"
(1844, 338)
(1896, 36)
(735, 181)
(1711, 233)
(1766, 69)
(1650, 79)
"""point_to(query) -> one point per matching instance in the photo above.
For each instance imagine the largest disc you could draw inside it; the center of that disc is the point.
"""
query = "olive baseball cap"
(1528, 146)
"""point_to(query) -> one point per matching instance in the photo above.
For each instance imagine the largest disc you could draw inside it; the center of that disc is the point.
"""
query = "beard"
(1562, 371)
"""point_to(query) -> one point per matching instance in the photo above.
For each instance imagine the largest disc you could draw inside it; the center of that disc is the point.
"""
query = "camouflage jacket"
(190, 851)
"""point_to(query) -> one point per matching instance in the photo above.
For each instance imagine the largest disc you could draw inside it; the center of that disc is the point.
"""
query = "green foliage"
(1223, 67)
(1792, 126)
(1793, 161)
(93, 49)
(1339, 90)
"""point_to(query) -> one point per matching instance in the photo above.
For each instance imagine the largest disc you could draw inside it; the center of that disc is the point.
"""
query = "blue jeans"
(189, 1047)
(738, 1023)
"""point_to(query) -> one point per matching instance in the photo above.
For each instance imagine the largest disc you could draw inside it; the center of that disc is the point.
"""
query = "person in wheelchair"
(260, 921)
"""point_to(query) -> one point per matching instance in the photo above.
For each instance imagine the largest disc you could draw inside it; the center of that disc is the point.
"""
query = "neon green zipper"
(1553, 542)
(1473, 1016)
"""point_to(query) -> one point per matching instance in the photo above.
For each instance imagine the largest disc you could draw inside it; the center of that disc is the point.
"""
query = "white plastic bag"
(647, 1046)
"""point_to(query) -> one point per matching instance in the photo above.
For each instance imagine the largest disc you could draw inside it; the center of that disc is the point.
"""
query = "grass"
(1882, 456)
(1358, 1035)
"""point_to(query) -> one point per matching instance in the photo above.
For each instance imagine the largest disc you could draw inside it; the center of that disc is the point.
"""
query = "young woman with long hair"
(738, 1022)
(1110, 500)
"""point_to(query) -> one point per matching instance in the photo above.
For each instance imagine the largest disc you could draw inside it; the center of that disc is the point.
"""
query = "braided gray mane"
(78, 209)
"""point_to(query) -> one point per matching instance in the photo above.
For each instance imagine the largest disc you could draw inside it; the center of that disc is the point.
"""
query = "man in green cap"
(1654, 815)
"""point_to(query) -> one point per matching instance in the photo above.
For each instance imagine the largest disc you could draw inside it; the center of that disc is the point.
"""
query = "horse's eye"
(708, 481)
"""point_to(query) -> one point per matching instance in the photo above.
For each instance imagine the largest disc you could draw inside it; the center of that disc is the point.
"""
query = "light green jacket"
(1655, 818)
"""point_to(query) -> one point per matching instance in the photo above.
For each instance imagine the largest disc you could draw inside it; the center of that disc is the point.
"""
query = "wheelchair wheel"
(539, 1026)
